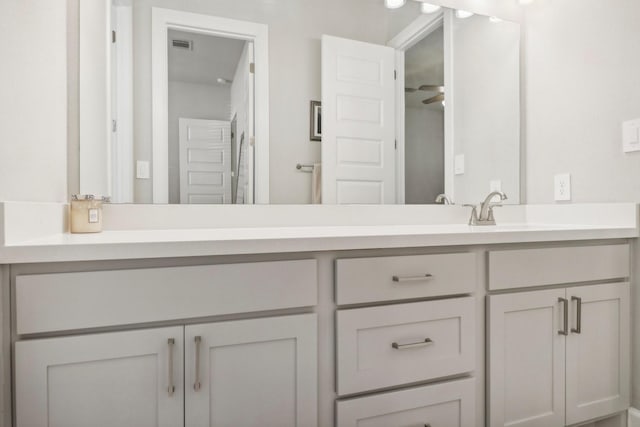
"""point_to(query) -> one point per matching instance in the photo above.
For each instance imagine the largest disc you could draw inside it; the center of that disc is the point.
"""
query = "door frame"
(412, 34)
(122, 153)
(162, 21)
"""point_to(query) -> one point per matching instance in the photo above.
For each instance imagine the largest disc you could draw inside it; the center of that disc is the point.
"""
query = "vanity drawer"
(386, 346)
(361, 280)
(522, 268)
(450, 404)
(65, 301)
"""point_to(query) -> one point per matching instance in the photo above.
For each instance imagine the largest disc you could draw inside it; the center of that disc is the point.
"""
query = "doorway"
(173, 29)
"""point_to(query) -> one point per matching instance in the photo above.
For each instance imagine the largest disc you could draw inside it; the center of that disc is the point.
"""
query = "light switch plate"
(458, 164)
(142, 169)
(562, 187)
(631, 136)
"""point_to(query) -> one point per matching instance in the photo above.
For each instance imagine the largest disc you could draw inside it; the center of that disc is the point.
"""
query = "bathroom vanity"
(524, 323)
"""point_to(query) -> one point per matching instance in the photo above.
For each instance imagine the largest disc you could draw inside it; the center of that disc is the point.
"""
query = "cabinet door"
(259, 372)
(526, 359)
(102, 380)
(598, 352)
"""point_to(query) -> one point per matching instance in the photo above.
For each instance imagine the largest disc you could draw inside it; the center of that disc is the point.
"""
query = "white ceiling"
(424, 65)
(211, 58)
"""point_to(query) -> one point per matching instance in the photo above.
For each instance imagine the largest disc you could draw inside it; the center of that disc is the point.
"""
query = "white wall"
(191, 101)
(33, 100)
(583, 80)
(94, 101)
(486, 107)
(424, 155)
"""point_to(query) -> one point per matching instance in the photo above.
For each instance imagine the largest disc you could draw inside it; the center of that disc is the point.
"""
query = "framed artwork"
(316, 121)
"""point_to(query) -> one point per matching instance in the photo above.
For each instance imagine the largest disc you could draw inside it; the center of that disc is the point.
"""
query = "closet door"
(124, 379)
(259, 372)
(598, 351)
(527, 359)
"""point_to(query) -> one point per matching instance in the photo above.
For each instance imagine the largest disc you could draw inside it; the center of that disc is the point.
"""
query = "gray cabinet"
(260, 372)
(126, 379)
(559, 357)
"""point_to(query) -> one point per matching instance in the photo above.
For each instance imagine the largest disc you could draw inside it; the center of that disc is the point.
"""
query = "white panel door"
(526, 359)
(598, 351)
(259, 372)
(205, 161)
(103, 380)
(358, 122)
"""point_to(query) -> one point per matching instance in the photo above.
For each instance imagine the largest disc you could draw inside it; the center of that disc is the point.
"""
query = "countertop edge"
(42, 253)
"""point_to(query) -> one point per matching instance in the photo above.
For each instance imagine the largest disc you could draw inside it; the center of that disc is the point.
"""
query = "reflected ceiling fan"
(429, 88)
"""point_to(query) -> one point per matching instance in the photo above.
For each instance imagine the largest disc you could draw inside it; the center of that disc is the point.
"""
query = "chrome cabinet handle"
(418, 278)
(578, 328)
(196, 384)
(423, 343)
(171, 388)
(565, 321)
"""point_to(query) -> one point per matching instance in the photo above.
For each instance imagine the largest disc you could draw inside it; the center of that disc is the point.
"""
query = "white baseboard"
(634, 417)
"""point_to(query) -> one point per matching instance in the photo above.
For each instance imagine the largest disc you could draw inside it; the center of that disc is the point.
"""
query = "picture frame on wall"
(316, 121)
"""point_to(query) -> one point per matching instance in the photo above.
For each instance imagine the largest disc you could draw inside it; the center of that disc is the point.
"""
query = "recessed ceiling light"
(429, 8)
(525, 1)
(394, 4)
(463, 14)
(495, 19)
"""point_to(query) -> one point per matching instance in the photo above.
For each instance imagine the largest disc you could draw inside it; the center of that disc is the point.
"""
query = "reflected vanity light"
(463, 14)
(429, 8)
(394, 4)
(494, 20)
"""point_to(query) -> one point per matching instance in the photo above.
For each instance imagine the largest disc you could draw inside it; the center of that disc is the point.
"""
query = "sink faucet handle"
(473, 219)
(491, 206)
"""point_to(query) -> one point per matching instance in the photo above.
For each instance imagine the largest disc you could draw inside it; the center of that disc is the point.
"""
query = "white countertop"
(21, 247)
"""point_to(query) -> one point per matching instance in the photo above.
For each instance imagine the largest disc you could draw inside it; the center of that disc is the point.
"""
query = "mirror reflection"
(288, 102)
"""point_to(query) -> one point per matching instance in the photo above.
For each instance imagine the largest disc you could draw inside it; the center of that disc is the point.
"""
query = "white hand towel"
(316, 184)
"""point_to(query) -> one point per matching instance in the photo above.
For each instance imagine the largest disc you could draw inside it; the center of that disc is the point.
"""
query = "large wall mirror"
(290, 102)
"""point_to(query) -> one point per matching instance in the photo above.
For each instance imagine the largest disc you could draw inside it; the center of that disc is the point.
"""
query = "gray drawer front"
(64, 301)
(550, 266)
(361, 280)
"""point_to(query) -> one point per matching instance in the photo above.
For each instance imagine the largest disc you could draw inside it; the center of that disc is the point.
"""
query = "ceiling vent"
(182, 44)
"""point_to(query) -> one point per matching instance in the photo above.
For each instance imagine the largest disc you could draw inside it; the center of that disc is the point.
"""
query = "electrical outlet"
(495, 185)
(562, 188)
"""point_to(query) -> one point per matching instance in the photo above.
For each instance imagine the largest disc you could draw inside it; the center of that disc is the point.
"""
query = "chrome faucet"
(443, 199)
(486, 210)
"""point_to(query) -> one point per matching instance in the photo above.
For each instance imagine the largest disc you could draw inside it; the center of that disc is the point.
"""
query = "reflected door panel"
(358, 131)
(205, 161)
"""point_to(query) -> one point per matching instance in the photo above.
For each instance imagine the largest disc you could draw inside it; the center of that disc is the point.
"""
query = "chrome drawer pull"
(196, 384)
(419, 278)
(578, 328)
(171, 388)
(423, 343)
(565, 318)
